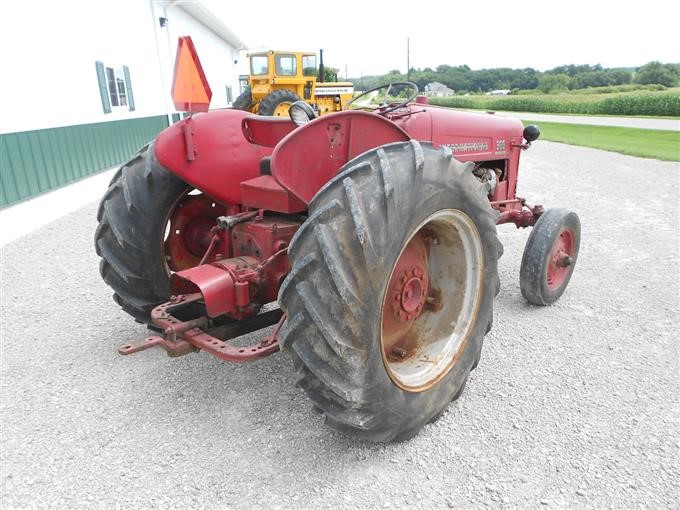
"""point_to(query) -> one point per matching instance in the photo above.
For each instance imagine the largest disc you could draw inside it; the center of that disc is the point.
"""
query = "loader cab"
(309, 65)
(259, 65)
(291, 76)
(282, 64)
(272, 70)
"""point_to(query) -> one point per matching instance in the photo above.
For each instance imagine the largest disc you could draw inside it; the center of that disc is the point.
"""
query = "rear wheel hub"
(281, 110)
(406, 291)
(413, 297)
(188, 231)
(431, 300)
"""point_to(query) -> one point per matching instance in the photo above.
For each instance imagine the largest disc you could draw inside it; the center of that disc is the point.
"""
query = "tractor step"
(182, 337)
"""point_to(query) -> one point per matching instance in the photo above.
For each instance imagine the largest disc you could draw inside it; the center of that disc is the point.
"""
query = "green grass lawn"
(646, 143)
(667, 117)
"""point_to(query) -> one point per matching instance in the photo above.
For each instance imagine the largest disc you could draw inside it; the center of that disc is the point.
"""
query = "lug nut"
(434, 240)
(398, 351)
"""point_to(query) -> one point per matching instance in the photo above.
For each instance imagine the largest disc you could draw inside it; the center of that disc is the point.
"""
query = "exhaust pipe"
(321, 69)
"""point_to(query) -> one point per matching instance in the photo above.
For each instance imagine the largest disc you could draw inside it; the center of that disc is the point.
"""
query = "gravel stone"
(577, 398)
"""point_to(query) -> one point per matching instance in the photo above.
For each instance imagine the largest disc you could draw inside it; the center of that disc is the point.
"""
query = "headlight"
(531, 133)
(301, 113)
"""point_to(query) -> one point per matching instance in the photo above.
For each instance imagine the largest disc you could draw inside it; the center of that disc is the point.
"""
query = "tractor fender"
(267, 131)
(210, 152)
(311, 155)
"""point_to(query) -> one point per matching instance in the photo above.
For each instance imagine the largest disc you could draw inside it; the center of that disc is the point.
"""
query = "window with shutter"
(115, 88)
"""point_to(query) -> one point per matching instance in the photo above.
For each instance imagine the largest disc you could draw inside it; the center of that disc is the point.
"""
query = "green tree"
(619, 76)
(329, 73)
(551, 82)
(572, 70)
(657, 73)
(590, 79)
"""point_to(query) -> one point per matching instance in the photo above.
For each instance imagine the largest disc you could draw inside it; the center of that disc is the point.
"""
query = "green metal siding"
(32, 162)
(176, 117)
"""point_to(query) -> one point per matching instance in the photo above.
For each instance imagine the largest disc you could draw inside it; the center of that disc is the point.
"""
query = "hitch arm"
(181, 338)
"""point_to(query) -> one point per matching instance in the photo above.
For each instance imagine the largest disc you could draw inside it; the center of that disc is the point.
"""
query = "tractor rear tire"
(550, 256)
(275, 102)
(243, 101)
(338, 295)
(132, 217)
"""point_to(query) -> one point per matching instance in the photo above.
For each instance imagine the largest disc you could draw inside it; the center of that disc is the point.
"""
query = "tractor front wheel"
(391, 290)
(277, 103)
(550, 256)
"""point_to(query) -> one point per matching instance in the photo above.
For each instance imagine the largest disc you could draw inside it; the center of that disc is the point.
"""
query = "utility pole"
(408, 57)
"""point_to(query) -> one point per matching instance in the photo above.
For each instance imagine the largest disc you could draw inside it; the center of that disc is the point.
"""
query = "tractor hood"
(471, 136)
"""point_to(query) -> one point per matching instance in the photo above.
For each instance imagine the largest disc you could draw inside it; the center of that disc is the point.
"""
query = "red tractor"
(374, 231)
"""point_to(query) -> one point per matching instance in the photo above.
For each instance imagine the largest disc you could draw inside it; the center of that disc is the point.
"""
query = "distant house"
(500, 92)
(436, 89)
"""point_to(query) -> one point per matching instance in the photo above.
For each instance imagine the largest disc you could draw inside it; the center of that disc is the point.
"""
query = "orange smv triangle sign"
(190, 89)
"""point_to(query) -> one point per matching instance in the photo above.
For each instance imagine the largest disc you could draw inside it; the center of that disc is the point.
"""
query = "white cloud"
(370, 37)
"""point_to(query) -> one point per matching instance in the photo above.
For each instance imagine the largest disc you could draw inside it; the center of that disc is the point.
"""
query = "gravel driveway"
(572, 405)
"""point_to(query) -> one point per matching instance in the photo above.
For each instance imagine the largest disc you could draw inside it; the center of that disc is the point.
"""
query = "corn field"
(639, 103)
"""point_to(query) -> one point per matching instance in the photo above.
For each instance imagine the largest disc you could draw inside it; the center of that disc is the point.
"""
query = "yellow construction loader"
(279, 78)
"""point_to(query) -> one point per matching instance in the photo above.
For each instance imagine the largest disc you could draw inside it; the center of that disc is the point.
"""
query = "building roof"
(435, 85)
(210, 20)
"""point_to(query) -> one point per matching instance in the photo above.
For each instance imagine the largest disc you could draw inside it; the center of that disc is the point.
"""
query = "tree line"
(462, 79)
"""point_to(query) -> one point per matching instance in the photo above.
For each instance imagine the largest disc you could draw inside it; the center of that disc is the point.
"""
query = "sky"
(371, 37)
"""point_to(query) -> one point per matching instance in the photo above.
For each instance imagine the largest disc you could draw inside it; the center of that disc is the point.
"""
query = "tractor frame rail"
(517, 211)
(182, 337)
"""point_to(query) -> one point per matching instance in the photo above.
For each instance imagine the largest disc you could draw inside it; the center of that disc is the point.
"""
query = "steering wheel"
(384, 108)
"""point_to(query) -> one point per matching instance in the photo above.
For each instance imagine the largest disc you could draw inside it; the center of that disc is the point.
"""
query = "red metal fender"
(222, 156)
(267, 131)
(311, 155)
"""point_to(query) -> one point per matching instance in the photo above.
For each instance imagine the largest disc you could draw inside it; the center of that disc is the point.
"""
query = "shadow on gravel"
(250, 404)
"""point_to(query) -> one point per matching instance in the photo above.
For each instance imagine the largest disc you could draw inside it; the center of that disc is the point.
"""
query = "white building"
(436, 89)
(85, 83)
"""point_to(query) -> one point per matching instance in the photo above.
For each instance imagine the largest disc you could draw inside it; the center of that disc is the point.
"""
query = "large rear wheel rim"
(431, 301)
(281, 109)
